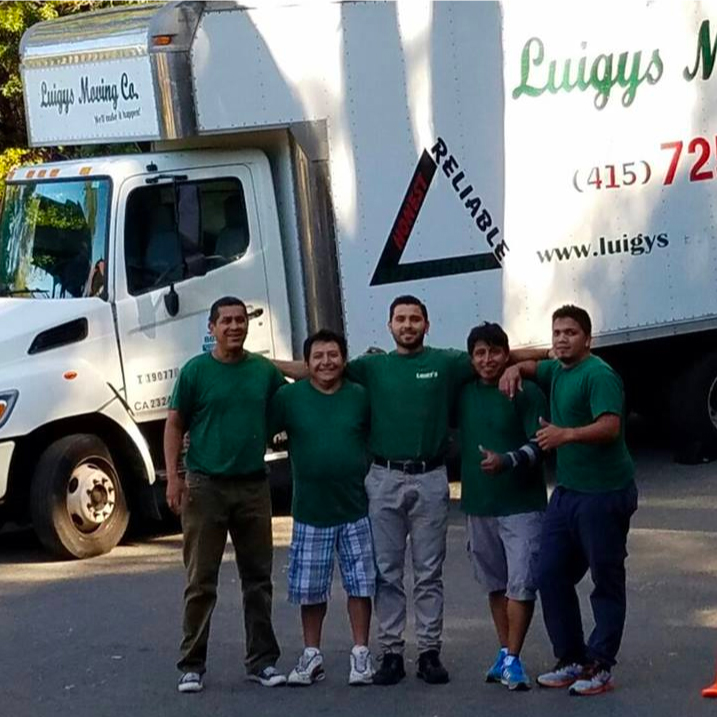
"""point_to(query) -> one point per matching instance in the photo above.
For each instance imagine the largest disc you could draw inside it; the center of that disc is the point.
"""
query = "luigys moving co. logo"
(391, 270)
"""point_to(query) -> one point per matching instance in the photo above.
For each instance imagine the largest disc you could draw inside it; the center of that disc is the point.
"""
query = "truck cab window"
(53, 239)
(157, 253)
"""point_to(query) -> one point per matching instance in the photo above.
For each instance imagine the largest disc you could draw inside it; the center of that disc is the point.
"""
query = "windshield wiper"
(14, 292)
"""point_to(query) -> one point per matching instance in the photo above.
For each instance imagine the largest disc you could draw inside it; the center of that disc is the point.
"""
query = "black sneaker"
(430, 668)
(391, 671)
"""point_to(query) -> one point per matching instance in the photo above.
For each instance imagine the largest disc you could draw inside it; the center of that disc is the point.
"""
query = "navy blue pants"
(581, 531)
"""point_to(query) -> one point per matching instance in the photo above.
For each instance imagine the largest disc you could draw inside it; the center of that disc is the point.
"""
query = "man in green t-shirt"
(326, 419)
(503, 495)
(412, 391)
(221, 399)
(588, 517)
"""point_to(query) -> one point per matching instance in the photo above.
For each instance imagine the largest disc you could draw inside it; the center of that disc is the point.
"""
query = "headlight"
(7, 403)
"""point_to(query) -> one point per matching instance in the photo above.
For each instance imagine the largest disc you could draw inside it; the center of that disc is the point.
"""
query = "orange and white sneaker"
(595, 680)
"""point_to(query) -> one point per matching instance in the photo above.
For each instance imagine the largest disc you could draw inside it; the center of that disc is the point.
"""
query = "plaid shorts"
(311, 561)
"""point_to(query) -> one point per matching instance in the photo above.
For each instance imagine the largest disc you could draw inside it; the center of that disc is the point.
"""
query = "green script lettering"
(524, 88)
(706, 54)
(601, 74)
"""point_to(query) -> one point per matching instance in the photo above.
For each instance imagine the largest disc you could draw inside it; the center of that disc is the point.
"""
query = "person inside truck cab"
(96, 280)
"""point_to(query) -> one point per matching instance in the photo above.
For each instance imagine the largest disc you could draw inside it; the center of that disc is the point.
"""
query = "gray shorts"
(504, 552)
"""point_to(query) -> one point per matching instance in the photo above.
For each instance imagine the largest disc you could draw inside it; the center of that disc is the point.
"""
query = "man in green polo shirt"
(588, 517)
(326, 419)
(412, 392)
(221, 399)
(503, 495)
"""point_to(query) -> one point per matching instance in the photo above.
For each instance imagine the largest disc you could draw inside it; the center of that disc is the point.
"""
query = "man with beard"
(411, 390)
(221, 398)
(588, 516)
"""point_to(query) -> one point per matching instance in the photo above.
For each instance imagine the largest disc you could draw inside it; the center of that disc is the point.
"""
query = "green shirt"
(579, 395)
(327, 446)
(411, 397)
(224, 406)
(488, 418)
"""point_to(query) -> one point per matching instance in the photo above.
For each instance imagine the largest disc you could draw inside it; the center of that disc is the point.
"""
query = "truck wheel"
(694, 412)
(77, 503)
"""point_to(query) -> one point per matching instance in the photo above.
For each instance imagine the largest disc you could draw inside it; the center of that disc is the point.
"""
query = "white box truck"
(318, 159)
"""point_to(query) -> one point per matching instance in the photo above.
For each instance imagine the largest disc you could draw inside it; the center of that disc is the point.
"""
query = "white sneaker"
(594, 681)
(190, 682)
(361, 666)
(309, 669)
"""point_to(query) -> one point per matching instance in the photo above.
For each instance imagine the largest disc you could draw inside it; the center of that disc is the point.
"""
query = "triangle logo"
(390, 269)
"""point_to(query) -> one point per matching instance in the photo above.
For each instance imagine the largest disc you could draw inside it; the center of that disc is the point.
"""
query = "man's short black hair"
(325, 336)
(491, 334)
(580, 316)
(411, 301)
(224, 301)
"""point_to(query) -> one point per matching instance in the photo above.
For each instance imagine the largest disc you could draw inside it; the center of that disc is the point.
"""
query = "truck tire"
(77, 503)
(694, 412)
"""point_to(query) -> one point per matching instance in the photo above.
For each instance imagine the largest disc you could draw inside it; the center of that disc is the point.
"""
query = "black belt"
(410, 467)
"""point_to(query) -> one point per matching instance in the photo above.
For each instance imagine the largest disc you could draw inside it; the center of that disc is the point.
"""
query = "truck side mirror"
(171, 301)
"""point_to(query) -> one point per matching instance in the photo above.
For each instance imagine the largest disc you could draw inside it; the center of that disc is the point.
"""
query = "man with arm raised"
(588, 516)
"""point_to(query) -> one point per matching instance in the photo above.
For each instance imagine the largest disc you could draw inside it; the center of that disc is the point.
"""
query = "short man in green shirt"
(221, 398)
(503, 495)
(588, 517)
(326, 419)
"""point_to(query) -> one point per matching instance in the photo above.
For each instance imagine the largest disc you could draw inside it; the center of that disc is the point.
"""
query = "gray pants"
(403, 506)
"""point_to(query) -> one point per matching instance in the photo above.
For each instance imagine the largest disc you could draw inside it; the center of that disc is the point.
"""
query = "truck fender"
(118, 412)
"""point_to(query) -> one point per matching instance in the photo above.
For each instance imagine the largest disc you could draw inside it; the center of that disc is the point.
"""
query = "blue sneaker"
(495, 673)
(514, 676)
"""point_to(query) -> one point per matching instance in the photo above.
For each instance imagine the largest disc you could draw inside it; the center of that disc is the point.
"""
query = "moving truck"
(318, 159)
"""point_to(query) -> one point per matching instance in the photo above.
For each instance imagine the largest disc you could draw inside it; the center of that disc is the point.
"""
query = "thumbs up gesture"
(550, 436)
(491, 462)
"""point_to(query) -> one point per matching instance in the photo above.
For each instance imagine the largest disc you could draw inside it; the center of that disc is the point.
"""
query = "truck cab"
(108, 268)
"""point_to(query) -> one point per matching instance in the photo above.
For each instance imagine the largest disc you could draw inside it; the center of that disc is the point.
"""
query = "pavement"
(100, 637)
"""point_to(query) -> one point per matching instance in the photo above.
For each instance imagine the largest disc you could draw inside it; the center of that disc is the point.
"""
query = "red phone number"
(639, 172)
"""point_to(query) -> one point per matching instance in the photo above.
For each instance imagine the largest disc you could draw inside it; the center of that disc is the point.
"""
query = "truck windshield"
(53, 239)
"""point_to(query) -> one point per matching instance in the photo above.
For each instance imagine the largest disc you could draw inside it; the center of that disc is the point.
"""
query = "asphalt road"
(99, 637)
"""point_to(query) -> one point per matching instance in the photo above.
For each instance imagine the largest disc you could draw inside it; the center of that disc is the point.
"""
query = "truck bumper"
(6, 451)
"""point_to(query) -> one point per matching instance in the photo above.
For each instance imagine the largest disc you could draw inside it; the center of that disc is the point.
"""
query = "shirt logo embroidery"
(427, 374)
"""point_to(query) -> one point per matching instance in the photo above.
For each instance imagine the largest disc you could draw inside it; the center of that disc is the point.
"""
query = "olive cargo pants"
(241, 508)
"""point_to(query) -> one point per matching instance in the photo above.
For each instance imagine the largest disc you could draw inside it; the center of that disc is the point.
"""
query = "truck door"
(155, 256)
